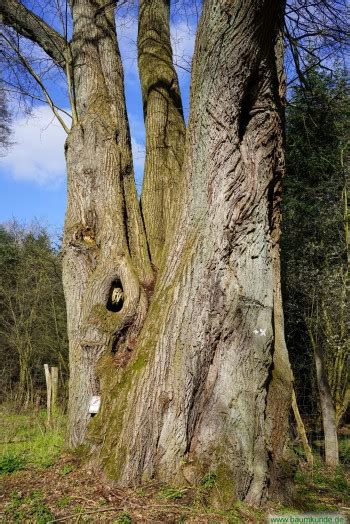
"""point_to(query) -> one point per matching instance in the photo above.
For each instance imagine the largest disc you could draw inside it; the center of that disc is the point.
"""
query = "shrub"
(10, 462)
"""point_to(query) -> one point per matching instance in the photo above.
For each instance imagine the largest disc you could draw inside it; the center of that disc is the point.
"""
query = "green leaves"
(313, 236)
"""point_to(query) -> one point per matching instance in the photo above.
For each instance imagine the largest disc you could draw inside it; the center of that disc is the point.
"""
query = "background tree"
(32, 312)
(315, 246)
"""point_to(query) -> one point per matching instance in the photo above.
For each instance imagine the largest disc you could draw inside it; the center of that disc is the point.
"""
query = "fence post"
(48, 392)
(54, 388)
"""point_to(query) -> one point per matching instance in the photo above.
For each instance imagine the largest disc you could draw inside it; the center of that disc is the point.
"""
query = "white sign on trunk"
(94, 404)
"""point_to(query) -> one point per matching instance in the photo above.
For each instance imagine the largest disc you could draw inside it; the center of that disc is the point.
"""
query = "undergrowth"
(30, 508)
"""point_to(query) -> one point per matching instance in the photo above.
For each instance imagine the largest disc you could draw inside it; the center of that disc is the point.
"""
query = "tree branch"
(36, 77)
(29, 25)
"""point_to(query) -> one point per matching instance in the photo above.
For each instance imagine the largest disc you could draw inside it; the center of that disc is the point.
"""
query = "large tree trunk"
(194, 375)
(106, 268)
(208, 387)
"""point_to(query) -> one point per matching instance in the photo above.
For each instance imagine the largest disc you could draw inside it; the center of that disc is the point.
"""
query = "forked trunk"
(194, 376)
(208, 387)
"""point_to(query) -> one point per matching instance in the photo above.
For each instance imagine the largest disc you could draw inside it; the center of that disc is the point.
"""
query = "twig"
(104, 510)
(31, 71)
(72, 515)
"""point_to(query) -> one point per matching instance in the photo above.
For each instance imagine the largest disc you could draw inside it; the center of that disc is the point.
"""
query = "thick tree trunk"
(104, 250)
(209, 385)
(165, 127)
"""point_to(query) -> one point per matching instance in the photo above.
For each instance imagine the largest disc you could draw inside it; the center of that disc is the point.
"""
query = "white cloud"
(38, 151)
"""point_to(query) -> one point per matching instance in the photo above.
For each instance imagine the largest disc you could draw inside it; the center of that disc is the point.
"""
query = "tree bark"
(48, 380)
(165, 127)
(104, 248)
(54, 393)
(209, 385)
(301, 431)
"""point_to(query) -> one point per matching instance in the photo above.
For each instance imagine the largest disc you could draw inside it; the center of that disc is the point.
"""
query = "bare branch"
(37, 78)
(22, 92)
(29, 25)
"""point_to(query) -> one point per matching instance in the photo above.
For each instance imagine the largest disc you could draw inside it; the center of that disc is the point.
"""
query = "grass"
(321, 488)
(124, 518)
(26, 441)
(208, 481)
(10, 462)
(173, 493)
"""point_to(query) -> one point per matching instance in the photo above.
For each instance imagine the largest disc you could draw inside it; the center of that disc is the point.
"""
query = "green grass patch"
(10, 462)
(63, 502)
(208, 481)
(66, 469)
(344, 450)
(173, 493)
(321, 488)
(26, 441)
(124, 518)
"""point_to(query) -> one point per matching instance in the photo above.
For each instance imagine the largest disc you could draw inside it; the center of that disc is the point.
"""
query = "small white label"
(94, 404)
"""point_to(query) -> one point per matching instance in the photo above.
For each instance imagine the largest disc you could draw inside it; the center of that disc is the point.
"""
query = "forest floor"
(41, 483)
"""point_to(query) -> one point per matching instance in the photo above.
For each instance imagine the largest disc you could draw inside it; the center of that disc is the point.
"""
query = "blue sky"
(33, 175)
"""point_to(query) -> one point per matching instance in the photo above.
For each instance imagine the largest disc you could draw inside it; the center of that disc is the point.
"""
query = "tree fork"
(194, 378)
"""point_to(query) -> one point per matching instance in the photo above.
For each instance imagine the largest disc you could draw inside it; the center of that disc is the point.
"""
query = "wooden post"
(54, 388)
(48, 392)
